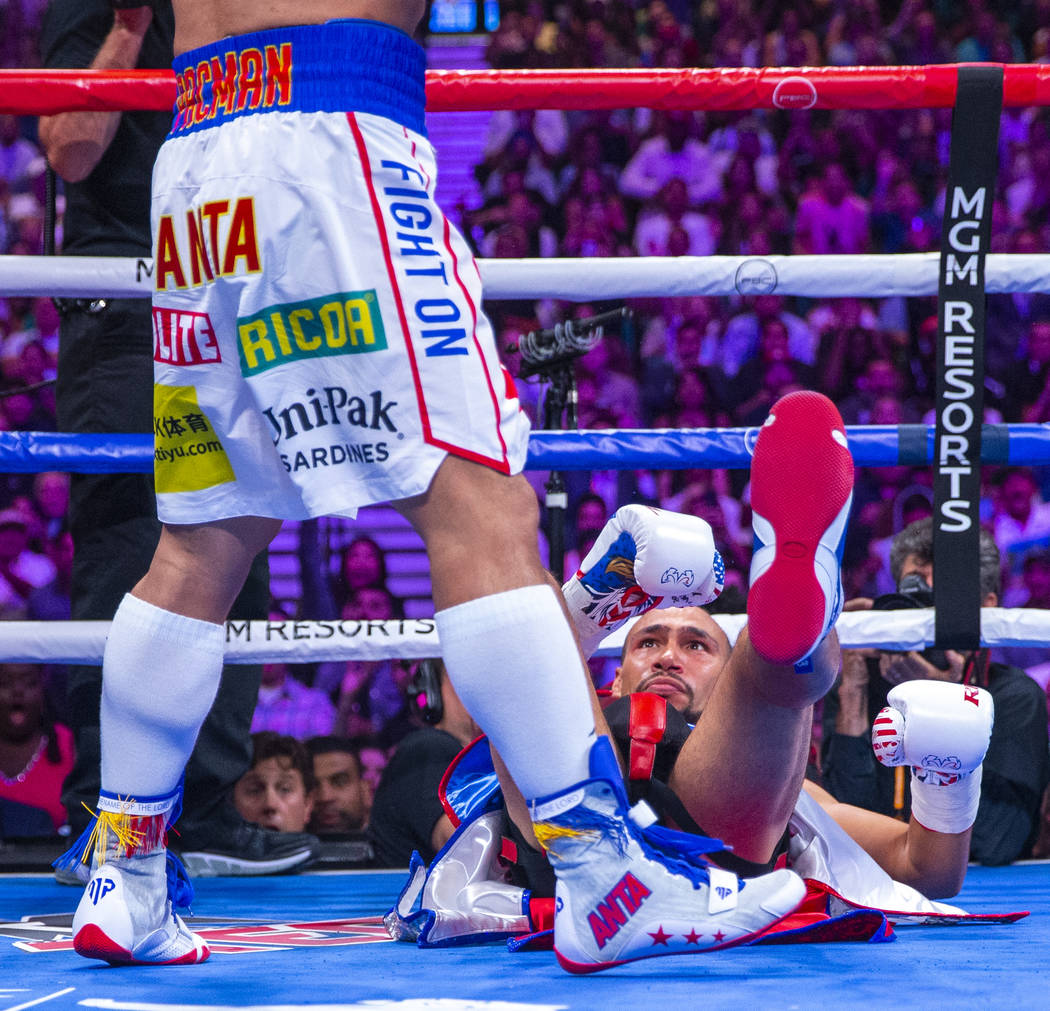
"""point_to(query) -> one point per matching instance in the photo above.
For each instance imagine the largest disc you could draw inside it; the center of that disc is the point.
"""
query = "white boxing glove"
(942, 731)
(643, 558)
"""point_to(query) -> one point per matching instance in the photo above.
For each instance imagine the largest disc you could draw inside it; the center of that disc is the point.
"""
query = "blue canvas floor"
(279, 942)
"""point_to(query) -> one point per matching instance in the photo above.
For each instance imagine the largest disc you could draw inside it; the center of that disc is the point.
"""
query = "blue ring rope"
(612, 449)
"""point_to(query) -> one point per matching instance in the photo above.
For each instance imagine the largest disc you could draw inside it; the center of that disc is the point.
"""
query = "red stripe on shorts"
(502, 465)
(477, 344)
(377, 213)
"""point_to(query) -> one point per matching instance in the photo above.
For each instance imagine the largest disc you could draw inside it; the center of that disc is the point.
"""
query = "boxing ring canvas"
(315, 941)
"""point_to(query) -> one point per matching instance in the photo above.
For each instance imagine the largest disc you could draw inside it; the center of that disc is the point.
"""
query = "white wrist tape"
(949, 807)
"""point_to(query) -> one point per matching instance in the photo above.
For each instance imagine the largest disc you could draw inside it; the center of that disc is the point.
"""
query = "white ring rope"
(579, 280)
(872, 276)
(315, 641)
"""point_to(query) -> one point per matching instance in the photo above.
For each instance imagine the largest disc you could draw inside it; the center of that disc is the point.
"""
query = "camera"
(913, 591)
(916, 589)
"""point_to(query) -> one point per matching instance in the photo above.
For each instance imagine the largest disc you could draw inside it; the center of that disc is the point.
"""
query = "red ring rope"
(43, 92)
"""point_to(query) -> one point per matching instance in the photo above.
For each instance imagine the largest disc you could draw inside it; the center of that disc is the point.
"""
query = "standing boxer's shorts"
(318, 337)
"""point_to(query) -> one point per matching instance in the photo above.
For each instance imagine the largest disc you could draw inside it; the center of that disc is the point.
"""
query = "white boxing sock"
(160, 674)
(514, 663)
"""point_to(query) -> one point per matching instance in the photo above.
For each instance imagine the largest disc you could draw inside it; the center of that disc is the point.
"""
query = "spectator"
(277, 792)
(372, 701)
(26, 221)
(20, 160)
(1010, 324)
(26, 410)
(373, 758)
(988, 39)
(289, 707)
(361, 563)
(35, 752)
(591, 228)
(670, 210)
(589, 149)
(774, 372)
(1020, 516)
(830, 217)
(754, 225)
(1033, 591)
(672, 151)
(616, 389)
(523, 211)
(880, 381)
(372, 603)
(591, 513)
(407, 813)
(342, 797)
(791, 43)
(744, 331)
(1017, 766)
(915, 36)
(1036, 585)
(51, 602)
(904, 223)
(548, 126)
(748, 150)
(49, 504)
(21, 569)
(522, 157)
(847, 348)
(1028, 379)
(706, 494)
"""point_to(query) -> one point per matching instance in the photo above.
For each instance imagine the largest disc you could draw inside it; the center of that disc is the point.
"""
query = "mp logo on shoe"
(99, 888)
(622, 902)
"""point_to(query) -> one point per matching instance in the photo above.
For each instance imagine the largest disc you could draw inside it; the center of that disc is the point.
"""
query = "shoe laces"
(681, 852)
(180, 887)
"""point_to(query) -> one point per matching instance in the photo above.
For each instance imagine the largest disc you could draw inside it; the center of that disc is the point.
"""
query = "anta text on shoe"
(612, 913)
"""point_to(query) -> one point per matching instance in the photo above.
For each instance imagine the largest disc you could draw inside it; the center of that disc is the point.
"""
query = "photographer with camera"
(1017, 765)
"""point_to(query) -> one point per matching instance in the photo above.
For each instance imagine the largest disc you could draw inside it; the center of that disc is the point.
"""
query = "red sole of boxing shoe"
(91, 941)
(801, 479)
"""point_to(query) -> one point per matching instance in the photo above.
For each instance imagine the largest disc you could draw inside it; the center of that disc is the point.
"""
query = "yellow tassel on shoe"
(134, 833)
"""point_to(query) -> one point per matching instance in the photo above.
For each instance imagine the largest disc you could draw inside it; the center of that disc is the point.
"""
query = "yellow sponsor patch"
(187, 454)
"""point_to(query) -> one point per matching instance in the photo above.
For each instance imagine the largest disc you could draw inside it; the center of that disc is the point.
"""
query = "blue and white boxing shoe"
(628, 891)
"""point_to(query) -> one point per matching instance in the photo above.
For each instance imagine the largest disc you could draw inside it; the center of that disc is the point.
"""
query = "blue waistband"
(339, 66)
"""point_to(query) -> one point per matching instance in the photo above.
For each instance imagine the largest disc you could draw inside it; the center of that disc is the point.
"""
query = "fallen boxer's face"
(677, 653)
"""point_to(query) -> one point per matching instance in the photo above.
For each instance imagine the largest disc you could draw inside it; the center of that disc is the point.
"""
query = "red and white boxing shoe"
(126, 915)
(628, 891)
(801, 493)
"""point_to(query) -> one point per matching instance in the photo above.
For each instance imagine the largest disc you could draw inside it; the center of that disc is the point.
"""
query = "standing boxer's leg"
(512, 656)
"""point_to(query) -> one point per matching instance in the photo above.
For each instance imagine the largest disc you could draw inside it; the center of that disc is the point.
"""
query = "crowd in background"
(633, 182)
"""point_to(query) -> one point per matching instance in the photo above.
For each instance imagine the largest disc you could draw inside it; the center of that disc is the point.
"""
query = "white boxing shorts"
(318, 337)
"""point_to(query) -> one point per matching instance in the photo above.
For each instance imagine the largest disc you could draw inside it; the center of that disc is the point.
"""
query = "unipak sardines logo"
(345, 323)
